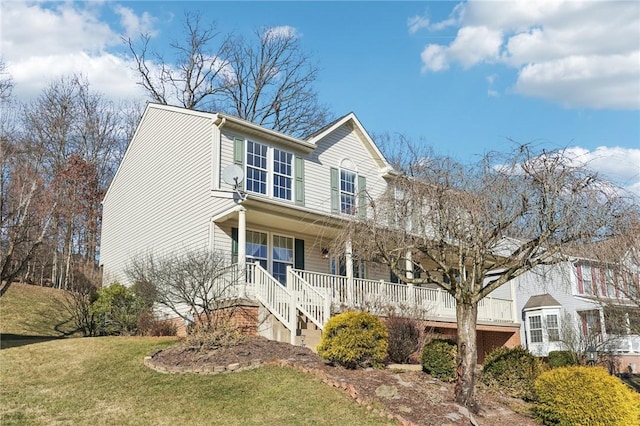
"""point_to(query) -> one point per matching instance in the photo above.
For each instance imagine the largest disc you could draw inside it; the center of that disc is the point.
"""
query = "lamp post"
(592, 355)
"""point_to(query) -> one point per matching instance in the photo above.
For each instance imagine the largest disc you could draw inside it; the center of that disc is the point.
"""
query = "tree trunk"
(467, 359)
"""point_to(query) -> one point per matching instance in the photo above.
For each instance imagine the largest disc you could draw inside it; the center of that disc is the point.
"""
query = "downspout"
(216, 151)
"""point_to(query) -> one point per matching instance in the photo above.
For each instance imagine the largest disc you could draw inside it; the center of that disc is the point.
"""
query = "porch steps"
(308, 334)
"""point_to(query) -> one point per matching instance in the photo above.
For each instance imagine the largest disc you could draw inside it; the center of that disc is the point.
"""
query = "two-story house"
(274, 203)
(580, 304)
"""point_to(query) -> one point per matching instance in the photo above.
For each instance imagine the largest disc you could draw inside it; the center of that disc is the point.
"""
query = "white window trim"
(270, 170)
(270, 235)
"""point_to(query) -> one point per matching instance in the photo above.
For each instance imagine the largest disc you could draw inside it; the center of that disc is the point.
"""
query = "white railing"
(275, 297)
(623, 344)
(230, 283)
(379, 296)
(312, 302)
(333, 285)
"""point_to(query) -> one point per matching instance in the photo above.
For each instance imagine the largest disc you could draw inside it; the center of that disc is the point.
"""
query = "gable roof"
(352, 121)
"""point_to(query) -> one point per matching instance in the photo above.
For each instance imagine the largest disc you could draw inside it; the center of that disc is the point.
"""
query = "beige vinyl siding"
(160, 200)
(341, 144)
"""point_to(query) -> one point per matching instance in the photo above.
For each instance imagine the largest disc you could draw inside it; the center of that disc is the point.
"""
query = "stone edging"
(349, 389)
(205, 369)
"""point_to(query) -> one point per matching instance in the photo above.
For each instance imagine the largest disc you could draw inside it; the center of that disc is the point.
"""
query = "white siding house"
(175, 191)
(575, 305)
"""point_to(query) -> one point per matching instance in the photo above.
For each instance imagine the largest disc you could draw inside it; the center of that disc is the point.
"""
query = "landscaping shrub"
(148, 325)
(354, 339)
(439, 359)
(513, 370)
(116, 310)
(404, 338)
(562, 359)
(585, 395)
(224, 334)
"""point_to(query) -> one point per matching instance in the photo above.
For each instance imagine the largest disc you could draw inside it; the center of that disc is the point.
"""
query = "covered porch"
(287, 266)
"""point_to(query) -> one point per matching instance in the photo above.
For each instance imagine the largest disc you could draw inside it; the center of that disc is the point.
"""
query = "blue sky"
(461, 77)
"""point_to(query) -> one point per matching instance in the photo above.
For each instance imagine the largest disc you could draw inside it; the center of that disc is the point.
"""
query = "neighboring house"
(578, 304)
(274, 204)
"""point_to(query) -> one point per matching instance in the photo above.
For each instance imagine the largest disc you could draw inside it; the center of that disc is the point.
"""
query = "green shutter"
(335, 191)
(299, 186)
(362, 196)
(234, 245)
(238, 151)
(298, 254)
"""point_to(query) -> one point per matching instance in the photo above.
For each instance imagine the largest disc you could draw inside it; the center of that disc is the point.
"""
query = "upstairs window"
(347, 192)
(257, 167)
(282, 174)
(270, 171)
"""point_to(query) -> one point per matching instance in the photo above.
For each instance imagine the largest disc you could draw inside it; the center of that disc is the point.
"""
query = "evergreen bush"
(513, 370)
(439, 359)
(562, 359)
(585, 396)
(354, 339)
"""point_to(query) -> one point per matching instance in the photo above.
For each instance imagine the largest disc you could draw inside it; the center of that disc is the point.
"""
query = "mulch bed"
(411, 397)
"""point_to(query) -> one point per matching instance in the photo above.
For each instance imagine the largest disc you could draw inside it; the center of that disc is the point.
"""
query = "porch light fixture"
(325, 253)
(592, 355)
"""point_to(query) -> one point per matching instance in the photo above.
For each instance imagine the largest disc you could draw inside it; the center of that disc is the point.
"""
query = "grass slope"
(32, 312)
(102, 381)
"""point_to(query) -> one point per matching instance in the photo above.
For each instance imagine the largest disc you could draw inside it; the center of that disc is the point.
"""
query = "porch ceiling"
(292, 219)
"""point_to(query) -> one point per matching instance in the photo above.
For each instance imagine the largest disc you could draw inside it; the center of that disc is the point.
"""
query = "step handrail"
(309, 300)
(276, 298)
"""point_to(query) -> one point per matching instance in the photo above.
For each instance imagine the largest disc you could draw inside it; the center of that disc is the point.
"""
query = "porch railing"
(311, 301)
(276, 298)
(381, 296)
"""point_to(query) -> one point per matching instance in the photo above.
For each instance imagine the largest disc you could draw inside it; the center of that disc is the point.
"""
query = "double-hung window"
(282, 174)
(257, 167)
(270, 171)
(587, 280)
(257, 248)
(535, 328)
(553, 329)
(282, 257)
(347, 192)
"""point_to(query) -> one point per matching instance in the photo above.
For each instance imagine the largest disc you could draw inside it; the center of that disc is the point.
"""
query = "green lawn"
(103, 381)
(31, 314)
(46, 379)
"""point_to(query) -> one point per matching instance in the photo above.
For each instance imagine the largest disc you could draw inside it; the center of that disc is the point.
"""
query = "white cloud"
(579, 81)
(284, 31)
(616, 164)
(42, 42)
(416, 23)
(578, 54)
(434, 58)
(133, 24)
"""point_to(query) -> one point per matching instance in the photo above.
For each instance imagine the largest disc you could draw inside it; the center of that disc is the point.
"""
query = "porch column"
(242, 249)
(348, 255)
(408, 268)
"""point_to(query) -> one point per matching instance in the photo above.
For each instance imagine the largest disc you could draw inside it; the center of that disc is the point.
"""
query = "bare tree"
(6, 82)
(79, 138)
(267, 80)
(471, 229)
(193, 285)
